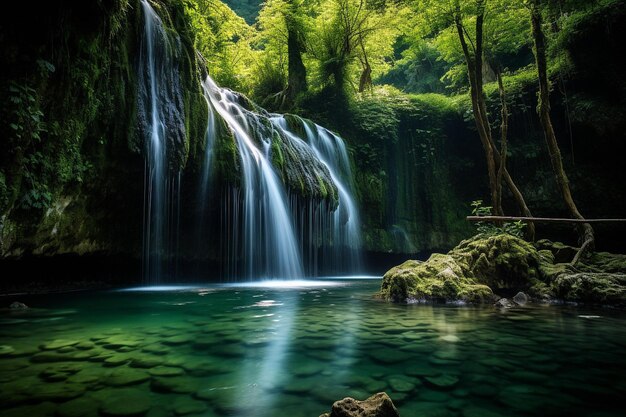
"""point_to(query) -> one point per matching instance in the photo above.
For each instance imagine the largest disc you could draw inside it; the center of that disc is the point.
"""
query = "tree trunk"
(366, 76)
(475, 80)
(296, 82)
(543, 108)
(479, 109)
(504, 128)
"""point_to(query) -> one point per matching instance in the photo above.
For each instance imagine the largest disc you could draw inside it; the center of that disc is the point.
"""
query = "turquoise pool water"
(270, 350)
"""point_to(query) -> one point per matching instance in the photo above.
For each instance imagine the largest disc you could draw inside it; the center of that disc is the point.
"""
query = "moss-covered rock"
(604, 288)
(468, 272)
(503, 263)
(440, 278)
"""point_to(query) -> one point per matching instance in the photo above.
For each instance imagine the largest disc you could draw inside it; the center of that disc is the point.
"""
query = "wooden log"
(539, 219)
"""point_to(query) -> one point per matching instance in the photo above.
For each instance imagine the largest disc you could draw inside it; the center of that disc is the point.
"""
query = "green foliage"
(378, 118)
(26, 116)
(488, 228)
(224, 39)
(419, 70)
(4, 192)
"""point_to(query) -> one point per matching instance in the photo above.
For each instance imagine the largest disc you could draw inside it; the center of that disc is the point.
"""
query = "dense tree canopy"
(354, 45)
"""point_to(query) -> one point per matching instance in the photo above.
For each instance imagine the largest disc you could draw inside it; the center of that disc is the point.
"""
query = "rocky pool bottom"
(269, 350)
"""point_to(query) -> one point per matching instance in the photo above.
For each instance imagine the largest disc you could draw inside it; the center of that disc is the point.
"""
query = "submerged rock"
(444, 381)
(58, 344)
(520, 298)
(126, 376)
(504, 303)
(484, 264)
(378, 405)
(6, 350)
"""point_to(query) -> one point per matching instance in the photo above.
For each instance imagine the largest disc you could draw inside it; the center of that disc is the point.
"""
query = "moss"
(591, 287)
(501, 261)
(296, 124)
(278, 160)
(440, 278)
(227, 170)
(507, 263)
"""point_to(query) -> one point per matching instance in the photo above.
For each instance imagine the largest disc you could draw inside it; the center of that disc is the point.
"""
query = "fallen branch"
(540, 219)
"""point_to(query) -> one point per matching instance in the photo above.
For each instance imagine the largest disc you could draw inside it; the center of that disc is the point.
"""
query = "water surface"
(270, 350)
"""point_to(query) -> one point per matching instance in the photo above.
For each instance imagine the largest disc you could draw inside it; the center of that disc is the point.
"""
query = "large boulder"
(505, 264)
(600, 287)
(378, 405)
(468, 272)
(440, 278)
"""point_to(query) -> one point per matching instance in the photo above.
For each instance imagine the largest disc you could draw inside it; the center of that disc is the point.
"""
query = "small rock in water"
(504, 303)
(156, 349)
(60, 372)
(452, 338)
(126, 376)
(145, 362)
(6, 350)
(58, 344)
(16, 305)
(520, 298)
(378, 405)
(116, 360)
(86, 345)
(398, 383)
(444, 381)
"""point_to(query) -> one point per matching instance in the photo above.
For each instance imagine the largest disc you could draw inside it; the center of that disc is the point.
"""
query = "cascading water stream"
(269, 235)
(161, 116)
(268, 228)
(269, 244)
(345, 227)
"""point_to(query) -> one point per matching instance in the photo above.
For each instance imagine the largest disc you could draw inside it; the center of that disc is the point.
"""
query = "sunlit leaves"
(224, 39)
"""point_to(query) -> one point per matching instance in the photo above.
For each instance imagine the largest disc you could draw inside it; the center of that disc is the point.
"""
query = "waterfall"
(269, 246)
(161, 122)
(290, 214)
(268, 229)
(344, 223)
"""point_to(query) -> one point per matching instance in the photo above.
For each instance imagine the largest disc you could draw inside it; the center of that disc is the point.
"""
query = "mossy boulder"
(604, 288)
(468, 272)
(440, 278)
(487, 264)
(500, 261)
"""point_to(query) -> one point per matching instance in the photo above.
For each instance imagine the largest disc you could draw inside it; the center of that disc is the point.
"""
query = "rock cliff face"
(78, 116)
